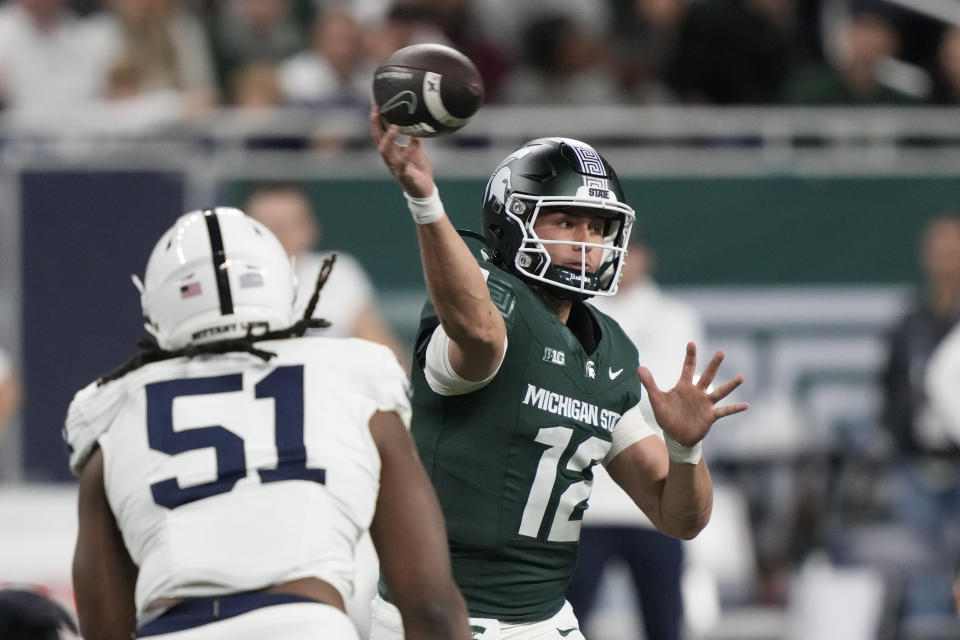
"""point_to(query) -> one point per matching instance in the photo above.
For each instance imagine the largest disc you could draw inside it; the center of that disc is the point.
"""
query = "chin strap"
(474, 235)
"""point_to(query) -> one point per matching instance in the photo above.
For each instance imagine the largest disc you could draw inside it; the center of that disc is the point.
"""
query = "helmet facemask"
(533, 261)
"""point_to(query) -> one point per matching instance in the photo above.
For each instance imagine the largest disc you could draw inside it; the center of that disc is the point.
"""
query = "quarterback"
(520, 387)
(228, 470)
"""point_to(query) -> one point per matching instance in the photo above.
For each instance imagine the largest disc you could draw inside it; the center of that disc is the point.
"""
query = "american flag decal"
(250, 280)
(190, 290)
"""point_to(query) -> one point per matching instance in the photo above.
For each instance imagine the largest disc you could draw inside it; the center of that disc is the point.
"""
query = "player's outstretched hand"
(408, 163)
(687, 411)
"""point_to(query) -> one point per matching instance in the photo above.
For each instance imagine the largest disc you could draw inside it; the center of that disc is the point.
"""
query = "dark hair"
(148, 350)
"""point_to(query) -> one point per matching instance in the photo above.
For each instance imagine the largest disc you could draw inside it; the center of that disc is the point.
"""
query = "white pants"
(293, 621)
(386, 624)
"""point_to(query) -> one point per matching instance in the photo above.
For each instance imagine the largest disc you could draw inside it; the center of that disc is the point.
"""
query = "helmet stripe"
(592, 170)
(219, 262)
(590, 161)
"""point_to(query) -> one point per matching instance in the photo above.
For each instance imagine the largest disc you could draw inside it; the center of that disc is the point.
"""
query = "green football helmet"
(555, 173)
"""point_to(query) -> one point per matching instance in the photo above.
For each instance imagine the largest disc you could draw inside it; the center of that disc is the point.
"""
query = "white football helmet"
(214, 275)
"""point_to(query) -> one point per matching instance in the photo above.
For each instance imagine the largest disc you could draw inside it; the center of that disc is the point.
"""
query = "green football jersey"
(512, 462)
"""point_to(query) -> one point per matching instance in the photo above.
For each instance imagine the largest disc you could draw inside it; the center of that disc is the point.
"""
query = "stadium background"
(792, 228)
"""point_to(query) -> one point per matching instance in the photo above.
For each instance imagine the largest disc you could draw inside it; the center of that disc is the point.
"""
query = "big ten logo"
(554, 356)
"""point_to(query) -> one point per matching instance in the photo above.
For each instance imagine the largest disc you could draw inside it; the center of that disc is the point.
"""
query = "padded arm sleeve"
(439, 372)
(632, 427)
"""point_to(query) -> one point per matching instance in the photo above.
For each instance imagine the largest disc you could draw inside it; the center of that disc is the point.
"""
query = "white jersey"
(227, 473)
(938, 425)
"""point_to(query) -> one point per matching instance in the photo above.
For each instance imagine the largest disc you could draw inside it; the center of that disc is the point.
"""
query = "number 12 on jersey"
(284, 385)
(562, 528)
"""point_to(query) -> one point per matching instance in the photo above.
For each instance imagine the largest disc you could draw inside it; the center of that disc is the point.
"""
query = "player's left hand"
(687, 411)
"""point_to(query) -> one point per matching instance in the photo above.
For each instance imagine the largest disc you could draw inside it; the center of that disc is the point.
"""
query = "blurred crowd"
(129, 65)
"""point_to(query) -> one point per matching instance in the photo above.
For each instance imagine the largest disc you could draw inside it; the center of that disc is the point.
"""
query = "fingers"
(406, 151)
(724, 390)
(396, 156)
(729, 410)
(706, 378)
(646, 379)
(383, 135)
(408, 162)
(377, 128)
(689, 363)
(386, 141)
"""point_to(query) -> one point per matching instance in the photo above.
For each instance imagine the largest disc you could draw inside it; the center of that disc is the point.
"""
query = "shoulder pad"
(502, 291)
(89, 416)
(503, 298)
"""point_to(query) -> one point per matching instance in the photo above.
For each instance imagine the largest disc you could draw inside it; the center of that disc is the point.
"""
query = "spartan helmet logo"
(590, 370)
(497, 187)
(499, 184)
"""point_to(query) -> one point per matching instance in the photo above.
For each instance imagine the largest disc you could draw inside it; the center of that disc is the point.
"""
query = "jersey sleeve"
(631, 427)
(89, 416)
(392, 389)
(438, 371)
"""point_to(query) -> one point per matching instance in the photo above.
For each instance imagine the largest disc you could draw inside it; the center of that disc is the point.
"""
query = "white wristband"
(425, 210)
(680, 453)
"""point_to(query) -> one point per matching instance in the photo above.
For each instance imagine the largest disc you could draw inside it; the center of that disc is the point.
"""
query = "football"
(427, 89)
